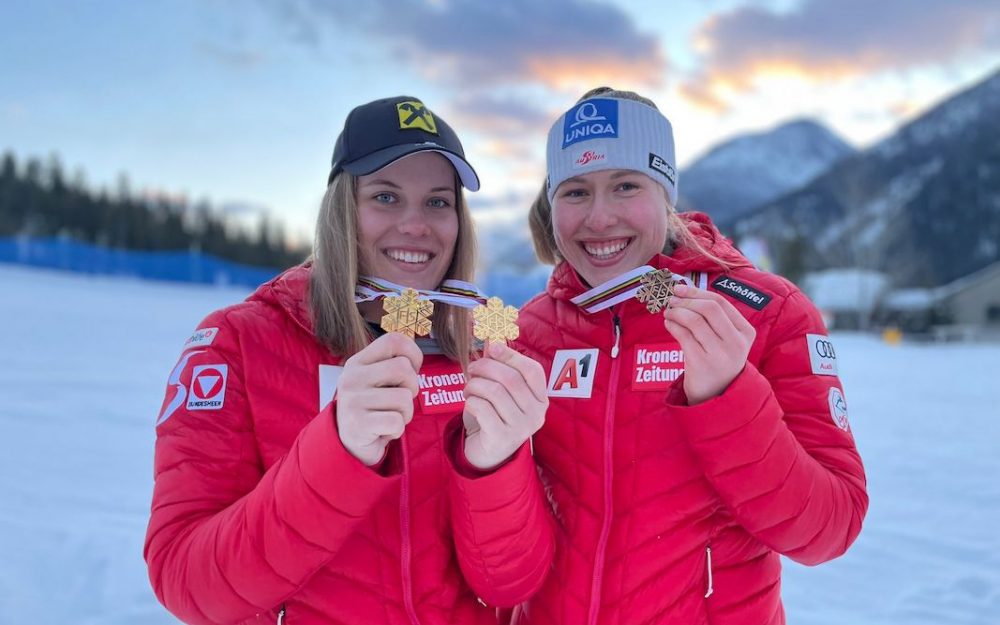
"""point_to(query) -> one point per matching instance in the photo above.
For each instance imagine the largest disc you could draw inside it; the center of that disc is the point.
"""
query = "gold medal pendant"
(657, 289)
(495, 322)
(407, 314)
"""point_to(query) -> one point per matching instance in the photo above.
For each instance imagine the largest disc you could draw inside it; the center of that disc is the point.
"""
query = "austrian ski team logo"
(838, 408)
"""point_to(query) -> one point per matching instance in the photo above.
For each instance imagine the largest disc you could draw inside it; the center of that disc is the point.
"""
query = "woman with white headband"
(697, 429)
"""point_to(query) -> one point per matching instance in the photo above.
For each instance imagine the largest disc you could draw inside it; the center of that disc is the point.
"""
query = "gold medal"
(407, 314)
(494, 321)
(657, 289)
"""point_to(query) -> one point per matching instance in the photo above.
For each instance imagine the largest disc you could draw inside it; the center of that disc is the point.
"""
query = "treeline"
(38, 200)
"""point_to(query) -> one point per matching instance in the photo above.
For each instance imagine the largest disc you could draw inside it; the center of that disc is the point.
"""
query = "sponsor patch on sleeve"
(742, 292)
(208, 387)
(573, 372)
(822, 356)
(201, 338)
(838, 408)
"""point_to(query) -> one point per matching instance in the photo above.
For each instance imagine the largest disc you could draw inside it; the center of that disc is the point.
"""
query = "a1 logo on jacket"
(573, 372)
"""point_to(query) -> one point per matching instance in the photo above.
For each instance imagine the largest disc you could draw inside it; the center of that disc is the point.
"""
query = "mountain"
(922, 205)
(742, 173)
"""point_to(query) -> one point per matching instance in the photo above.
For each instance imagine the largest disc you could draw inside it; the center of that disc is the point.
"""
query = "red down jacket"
(258, 507)
(669, 513)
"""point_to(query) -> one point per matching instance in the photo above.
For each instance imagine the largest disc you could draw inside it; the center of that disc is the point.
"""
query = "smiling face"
(407, 221)
(608, 222)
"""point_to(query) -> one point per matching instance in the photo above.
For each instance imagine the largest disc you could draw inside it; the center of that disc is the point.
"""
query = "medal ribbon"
(616, 290)
(455, 292)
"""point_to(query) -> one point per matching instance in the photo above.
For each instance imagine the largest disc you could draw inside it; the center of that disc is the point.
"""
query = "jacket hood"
(289, 291)
(565, 283)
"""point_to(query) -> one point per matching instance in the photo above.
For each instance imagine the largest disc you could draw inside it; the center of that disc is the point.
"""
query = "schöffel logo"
(593, 119)
(742, 292)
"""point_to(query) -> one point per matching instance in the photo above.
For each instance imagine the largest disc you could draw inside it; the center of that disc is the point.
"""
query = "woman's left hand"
(505, 403)
(715, 337)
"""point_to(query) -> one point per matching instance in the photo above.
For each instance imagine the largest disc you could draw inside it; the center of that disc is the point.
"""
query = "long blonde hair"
(337, 322)
(540, 215)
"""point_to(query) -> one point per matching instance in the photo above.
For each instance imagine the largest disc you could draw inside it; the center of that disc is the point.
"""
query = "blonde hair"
(540, 214)
(337, 322)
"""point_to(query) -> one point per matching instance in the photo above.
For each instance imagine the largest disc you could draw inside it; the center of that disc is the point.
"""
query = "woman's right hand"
(375, 395)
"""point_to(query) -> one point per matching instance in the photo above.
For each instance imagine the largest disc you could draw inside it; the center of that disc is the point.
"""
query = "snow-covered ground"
(84, 360)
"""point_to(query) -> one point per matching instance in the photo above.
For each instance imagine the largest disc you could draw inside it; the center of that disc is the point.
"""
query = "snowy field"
(83, 365)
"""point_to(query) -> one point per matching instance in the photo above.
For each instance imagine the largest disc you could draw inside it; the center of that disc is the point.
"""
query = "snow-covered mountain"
(742, 173)
(923, 205)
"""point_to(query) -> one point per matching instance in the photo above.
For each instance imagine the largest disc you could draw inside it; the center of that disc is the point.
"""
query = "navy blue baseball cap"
(384, 131)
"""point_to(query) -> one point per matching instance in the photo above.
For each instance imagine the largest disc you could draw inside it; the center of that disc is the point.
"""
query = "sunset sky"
(240, 103)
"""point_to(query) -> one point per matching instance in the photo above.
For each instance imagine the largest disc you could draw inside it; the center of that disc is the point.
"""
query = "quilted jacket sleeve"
(504, 531)
(774, 452)
(227, 540)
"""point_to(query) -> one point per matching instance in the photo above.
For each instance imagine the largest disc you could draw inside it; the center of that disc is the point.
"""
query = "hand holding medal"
(505, 398)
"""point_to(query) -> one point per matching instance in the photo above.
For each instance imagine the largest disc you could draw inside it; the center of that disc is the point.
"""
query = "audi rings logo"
(822, 356)
(824, 349)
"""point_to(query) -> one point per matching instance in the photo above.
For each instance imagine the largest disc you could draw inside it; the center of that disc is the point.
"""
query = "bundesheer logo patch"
(208, 387)
(413, 115)
(742, 292)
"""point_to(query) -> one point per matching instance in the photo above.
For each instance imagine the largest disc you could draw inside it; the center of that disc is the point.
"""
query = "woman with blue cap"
(301, 468)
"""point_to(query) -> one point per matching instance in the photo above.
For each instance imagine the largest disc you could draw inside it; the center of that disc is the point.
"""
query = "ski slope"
(83, 365)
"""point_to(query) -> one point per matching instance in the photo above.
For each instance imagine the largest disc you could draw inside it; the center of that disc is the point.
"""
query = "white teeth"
(603, 250)
(408, 257)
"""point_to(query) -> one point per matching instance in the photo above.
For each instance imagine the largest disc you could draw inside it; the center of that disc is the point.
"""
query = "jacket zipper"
(708, 565)
(602, 542)
(281, 615)
(405, 546)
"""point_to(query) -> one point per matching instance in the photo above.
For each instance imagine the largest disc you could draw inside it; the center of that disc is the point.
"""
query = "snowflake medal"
(407, 314)
(657, 289)
(495, 322)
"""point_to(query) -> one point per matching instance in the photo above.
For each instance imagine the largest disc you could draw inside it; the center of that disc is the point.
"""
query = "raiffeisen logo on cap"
(414, 115)
(592, 119)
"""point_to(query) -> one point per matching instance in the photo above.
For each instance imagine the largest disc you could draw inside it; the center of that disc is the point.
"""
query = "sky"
(239, 103)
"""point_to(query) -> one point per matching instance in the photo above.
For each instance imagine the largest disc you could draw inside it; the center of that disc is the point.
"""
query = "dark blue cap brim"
(377, 160)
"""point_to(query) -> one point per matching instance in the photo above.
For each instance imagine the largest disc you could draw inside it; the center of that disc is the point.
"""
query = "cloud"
(563, 44)
(828, 39)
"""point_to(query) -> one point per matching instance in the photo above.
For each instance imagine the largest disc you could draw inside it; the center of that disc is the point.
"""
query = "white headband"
(612, 133)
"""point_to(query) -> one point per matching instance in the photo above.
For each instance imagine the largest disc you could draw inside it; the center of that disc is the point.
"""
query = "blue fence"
(69, 255)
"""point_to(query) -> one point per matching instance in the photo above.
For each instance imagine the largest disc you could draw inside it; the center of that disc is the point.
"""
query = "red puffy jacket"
(669, 513)
(259, 512)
